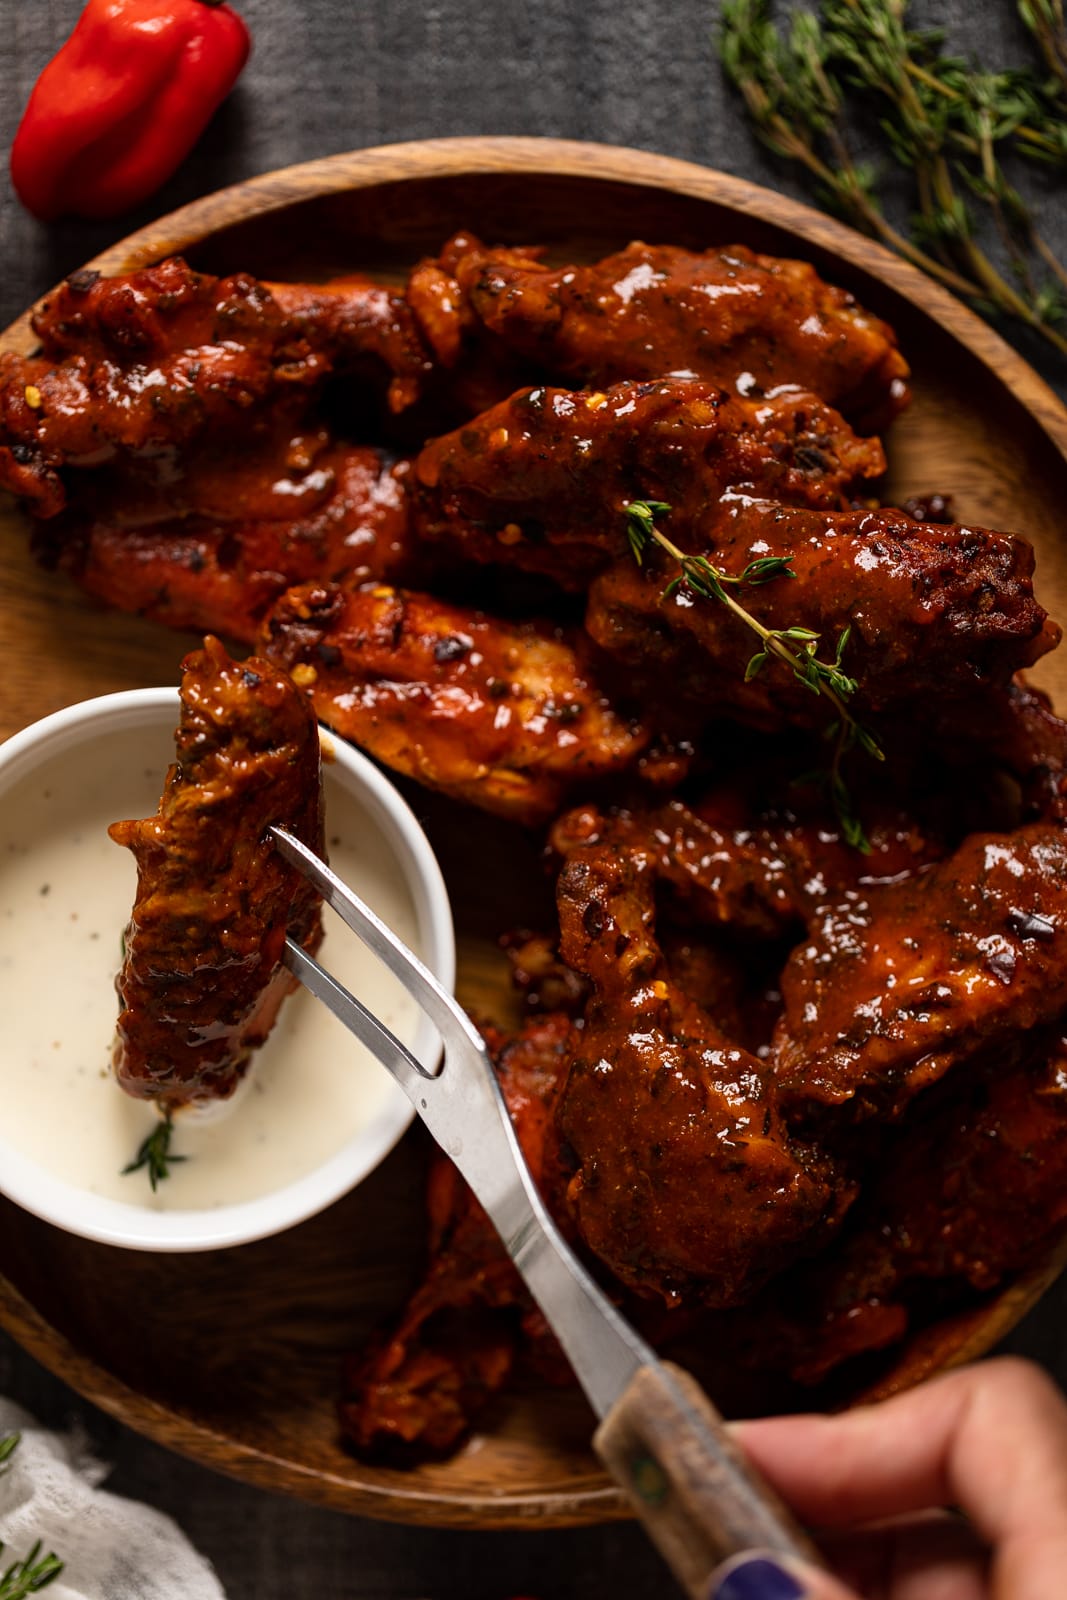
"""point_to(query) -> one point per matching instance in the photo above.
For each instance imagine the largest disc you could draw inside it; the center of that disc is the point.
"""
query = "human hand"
(954, 1491)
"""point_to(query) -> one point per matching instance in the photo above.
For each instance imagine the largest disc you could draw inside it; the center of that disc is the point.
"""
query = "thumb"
(764, 1575)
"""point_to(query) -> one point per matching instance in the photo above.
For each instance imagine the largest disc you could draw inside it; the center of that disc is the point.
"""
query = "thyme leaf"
(30, 1575)
(640, 524)
(154, 1154)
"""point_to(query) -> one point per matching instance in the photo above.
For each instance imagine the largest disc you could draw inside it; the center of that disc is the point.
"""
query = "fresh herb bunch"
(796, 647)
(1046, 22)
(943, 120)
(156, 1156)
(34, 1572)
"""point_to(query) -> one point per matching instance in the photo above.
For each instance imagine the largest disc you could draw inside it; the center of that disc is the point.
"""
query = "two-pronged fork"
(659, 1436)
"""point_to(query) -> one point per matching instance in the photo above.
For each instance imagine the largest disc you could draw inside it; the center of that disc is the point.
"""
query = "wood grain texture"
(233, 1357)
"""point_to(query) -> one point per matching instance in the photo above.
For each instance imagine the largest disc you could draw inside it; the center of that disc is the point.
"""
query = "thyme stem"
(30, 1575)
(1045, 19)
(794, 646)
(772, 638)
(946, 123)
(755, 61)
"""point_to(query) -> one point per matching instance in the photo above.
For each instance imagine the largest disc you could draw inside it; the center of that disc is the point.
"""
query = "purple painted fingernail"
(757, 1578)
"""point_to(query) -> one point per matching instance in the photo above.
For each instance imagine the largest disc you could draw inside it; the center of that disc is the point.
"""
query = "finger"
(932, 1556)
(991, 1439)
(760, 1575)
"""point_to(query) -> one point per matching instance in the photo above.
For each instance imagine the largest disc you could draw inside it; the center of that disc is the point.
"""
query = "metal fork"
(659, 1435)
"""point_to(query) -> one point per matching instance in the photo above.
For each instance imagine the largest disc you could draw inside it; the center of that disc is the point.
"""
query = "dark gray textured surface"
(328, 76)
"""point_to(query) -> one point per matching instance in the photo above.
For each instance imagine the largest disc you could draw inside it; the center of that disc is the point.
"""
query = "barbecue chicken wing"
(761, 877)
(458, 1338)
(687, 1184)
(349, 321)
(925, 606)
(145, 363)
(1018, 730)
(506, 716)
(900, 982)
(473, 368)
(202, 979)
(967, 1192)
(747, 322)
(543, 480)
(362, 328)
(241, 543)
(441, 305)
(84, 413)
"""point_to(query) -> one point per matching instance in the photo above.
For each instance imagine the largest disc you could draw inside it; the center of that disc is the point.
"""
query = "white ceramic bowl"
(112, 753)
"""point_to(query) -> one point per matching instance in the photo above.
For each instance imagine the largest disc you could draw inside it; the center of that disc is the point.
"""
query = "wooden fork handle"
(698, 1497)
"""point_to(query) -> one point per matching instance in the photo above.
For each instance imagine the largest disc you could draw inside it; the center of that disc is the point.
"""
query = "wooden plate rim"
(391, 1503)
(519, 156)
(361, 169)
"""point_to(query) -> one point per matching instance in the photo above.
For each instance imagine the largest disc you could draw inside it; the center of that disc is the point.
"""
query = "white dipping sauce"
(65, 896)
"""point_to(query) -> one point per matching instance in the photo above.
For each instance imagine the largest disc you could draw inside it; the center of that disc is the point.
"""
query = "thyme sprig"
(34, 1572)
(945, 121)
(795, 647)
(1046, 22)
(156, 1155)
(30, 1575)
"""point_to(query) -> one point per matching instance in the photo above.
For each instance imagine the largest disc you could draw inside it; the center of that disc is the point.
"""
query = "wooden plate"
(233, 1358)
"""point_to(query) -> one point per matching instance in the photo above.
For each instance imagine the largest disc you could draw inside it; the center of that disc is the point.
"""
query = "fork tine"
(448, 1017)
(382, 1043)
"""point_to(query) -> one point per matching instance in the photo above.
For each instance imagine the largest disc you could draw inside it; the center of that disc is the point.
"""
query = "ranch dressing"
(65, 895)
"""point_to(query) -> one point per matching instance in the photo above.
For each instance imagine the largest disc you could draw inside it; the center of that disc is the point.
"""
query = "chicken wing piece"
(147, 362)
(748, 322)
(900, 982)
(756, 876)
(360, 325)
(84, 413)
(202, 979)
(473, 368)
(349, 321)
(1018, 729)
(151, 313)
(924, 605)
(441, 307)
(543, 480)
(966, 1194)
(506, 716)
(285, 463)
(458, 1338)
(687, 1184)
(221, 568)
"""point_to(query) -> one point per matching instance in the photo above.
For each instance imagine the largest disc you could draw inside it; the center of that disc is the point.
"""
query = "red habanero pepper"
(123, 103)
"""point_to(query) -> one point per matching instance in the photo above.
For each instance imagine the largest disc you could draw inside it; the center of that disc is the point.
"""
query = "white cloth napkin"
(114, 1549)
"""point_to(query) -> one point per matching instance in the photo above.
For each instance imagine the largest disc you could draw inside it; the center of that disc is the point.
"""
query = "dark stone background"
(328, 76)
